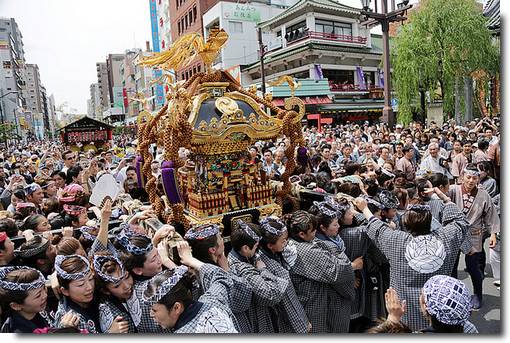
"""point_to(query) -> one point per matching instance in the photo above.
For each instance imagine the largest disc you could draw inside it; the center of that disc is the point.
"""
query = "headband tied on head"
(21, 205)
(247, 229)
(86, 233)
(74, 210)
(71, 276)
(31, 188)
(20, 286)
(42, 245)
(202, 232)
(167, 285)
(266, 225)
(418, 208)
(124, 240)
(326, 208)
(98, 262)
(471, 172)
(70, 193)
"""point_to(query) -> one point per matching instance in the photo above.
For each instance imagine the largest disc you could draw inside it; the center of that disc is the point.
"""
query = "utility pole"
(262, 49)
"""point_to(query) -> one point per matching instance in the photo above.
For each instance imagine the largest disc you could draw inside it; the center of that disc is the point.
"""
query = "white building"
(240, 22)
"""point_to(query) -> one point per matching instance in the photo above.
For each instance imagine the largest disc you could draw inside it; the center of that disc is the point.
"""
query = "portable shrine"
(217, 120)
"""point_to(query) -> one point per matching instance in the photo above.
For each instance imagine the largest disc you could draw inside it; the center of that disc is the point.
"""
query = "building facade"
(12, 71)
(129, 86)
(240, 22)
(103, 86)
(115, 89)
(36, 101)
(322, 44)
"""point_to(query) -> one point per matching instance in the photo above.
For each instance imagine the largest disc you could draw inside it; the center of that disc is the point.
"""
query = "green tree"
(444, 41)
(7, 131)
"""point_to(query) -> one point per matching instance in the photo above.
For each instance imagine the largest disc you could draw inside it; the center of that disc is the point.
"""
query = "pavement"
(488, 319)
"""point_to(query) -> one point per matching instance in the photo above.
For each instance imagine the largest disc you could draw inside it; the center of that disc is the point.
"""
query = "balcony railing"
(352, 88)
(298, 36)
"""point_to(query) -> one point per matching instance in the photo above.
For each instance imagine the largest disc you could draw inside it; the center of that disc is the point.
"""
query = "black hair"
(181, 292)
(438, 180)
(351, 167)
(417, 223)
(31, 222)
(72, 172)
(9, 226)
(200, 248)
(130, 260)
(300, 221)
(483, 144)
(269, 238)
(20, 194)
(350, 188)
(239, 237)
(18, 297)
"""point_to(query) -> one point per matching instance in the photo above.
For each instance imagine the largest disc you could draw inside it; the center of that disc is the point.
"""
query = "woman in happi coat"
(322, 274)
(114, 286)
(76, 281)
(279, 258)
(208, 247)
(368, 304)
(416, 254)
(23, 300)
(268, 289)
(172, 304)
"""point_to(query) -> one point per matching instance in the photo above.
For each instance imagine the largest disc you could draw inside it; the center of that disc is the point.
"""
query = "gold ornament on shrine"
(217, 120)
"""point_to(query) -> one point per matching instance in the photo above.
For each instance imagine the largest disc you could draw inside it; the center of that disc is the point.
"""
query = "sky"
(67, 37)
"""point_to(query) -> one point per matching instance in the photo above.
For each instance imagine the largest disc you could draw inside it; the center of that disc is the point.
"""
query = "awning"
(308, 100)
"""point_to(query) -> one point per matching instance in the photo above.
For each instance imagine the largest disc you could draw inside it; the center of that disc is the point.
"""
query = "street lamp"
(385, 18)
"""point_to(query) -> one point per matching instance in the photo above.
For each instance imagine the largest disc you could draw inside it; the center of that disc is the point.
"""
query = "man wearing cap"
(481, 214)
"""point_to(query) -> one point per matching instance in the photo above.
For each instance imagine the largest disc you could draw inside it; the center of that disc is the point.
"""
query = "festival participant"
(405, 164)
(434, 163)
(278, 258)
(481, 214)
(417, 253)
(268, 289)
(486, 179)
(173, 306)
(36, 252)
(115, 288)
(140, 257)
(23, 300)
(18, 196)
(460, 161)
(35, 195)
(37, 223)
(69, 158)
(444, 302)
(322, 274)
(76, 282)
(207, 245)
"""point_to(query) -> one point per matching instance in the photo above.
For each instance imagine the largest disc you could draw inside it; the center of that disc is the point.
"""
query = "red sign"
(87, 136)
(124, 95)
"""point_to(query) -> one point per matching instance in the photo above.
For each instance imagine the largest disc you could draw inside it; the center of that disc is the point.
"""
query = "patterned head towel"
(71, 276)
(243, 226)
(166, 286)
(447, 299)
(20, 286)
(267, 226)
(31, 188)
(202, 232)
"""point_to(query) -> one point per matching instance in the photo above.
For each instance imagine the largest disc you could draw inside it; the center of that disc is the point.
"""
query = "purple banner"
(361, 78)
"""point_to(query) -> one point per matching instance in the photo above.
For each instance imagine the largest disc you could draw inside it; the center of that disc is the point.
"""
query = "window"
(177, 3)
(195, 12)
(190, 18)
(236, 26)
(334, 27)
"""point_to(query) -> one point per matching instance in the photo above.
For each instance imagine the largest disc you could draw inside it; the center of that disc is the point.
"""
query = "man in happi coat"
(416, 254)
(481, 214)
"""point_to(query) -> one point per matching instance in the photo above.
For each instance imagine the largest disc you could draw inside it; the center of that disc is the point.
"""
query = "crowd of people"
(368, 241)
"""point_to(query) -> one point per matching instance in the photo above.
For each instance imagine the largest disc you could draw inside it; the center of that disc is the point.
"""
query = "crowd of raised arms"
(369, 240)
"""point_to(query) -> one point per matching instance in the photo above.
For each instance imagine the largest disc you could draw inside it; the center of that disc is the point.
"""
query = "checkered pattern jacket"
(141, 314)
(215, 316)
(441, 210)
(368, 302)
(403, 278)
(108, 311)
(268, 290)
(324, 281)
(291, 317)
(83, 323)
